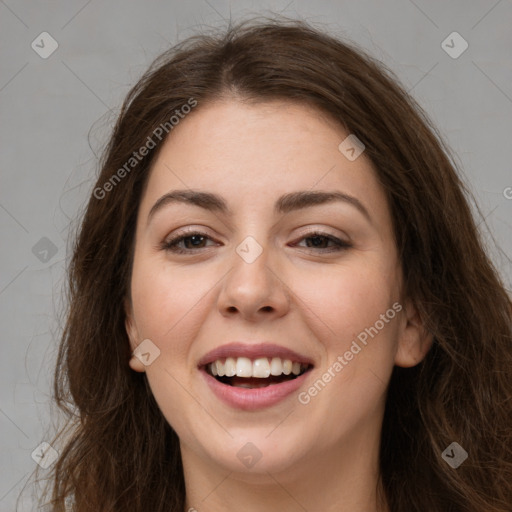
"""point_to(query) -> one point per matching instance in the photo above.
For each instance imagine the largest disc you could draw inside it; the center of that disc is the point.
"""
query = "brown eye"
(186, 243)
(320, 241)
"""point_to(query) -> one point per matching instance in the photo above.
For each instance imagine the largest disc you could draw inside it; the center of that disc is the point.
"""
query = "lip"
(248, 399)
(253, 351)
(256, 398)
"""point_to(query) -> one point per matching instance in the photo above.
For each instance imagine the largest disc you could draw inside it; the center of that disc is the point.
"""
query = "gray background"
(57, 112)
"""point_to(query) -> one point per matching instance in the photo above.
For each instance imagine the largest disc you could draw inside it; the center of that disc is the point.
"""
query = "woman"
(279, 299)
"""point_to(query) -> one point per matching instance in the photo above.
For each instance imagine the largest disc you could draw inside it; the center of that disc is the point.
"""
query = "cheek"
(350, 311)
(169, 310)
(164, 302)
(345, 300)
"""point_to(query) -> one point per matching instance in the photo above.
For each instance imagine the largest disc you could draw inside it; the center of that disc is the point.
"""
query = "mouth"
(262, 372)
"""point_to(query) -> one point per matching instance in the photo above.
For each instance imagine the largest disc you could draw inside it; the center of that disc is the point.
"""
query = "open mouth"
(243, 372)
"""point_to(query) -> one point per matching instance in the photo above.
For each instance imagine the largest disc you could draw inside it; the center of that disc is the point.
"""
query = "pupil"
(197, 238)
(317, 240)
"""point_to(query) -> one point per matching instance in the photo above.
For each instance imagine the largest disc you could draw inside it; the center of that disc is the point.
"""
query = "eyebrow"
(285, 204)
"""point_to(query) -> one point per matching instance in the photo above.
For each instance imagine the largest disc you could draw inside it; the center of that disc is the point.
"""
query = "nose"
(254, 290)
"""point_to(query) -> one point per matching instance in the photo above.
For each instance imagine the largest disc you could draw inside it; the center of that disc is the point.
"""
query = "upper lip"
(253, 351)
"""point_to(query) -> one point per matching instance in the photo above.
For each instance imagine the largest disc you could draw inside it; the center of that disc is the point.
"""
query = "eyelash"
(171, 245)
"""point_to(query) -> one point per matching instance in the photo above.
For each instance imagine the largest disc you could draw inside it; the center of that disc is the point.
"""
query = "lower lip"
(249, 399)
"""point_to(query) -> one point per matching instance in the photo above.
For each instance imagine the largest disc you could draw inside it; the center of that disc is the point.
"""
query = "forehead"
(253, 153)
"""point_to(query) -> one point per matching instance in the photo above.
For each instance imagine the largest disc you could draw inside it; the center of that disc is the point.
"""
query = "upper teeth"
(262, 367)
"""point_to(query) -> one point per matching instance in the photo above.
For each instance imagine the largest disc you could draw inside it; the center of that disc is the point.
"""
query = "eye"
(192, 240)
(318, 241)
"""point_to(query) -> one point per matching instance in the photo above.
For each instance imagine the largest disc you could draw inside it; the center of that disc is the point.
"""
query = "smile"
(251, 376)
(243, 372)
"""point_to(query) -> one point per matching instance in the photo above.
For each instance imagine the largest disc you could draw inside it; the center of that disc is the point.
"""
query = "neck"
(344, 478)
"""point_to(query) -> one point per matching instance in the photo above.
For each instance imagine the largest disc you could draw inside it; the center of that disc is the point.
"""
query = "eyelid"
(324, 231)
(190, 230)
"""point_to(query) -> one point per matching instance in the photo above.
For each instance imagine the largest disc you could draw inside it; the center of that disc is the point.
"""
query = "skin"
(294, 294)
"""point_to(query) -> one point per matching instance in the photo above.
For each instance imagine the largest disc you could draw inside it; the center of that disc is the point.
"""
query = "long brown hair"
(121, 454)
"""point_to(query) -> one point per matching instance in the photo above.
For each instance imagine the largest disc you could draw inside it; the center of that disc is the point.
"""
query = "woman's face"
(281, 270)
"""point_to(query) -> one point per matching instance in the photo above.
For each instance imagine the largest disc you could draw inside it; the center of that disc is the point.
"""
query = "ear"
(414, 340)
(133, 335)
